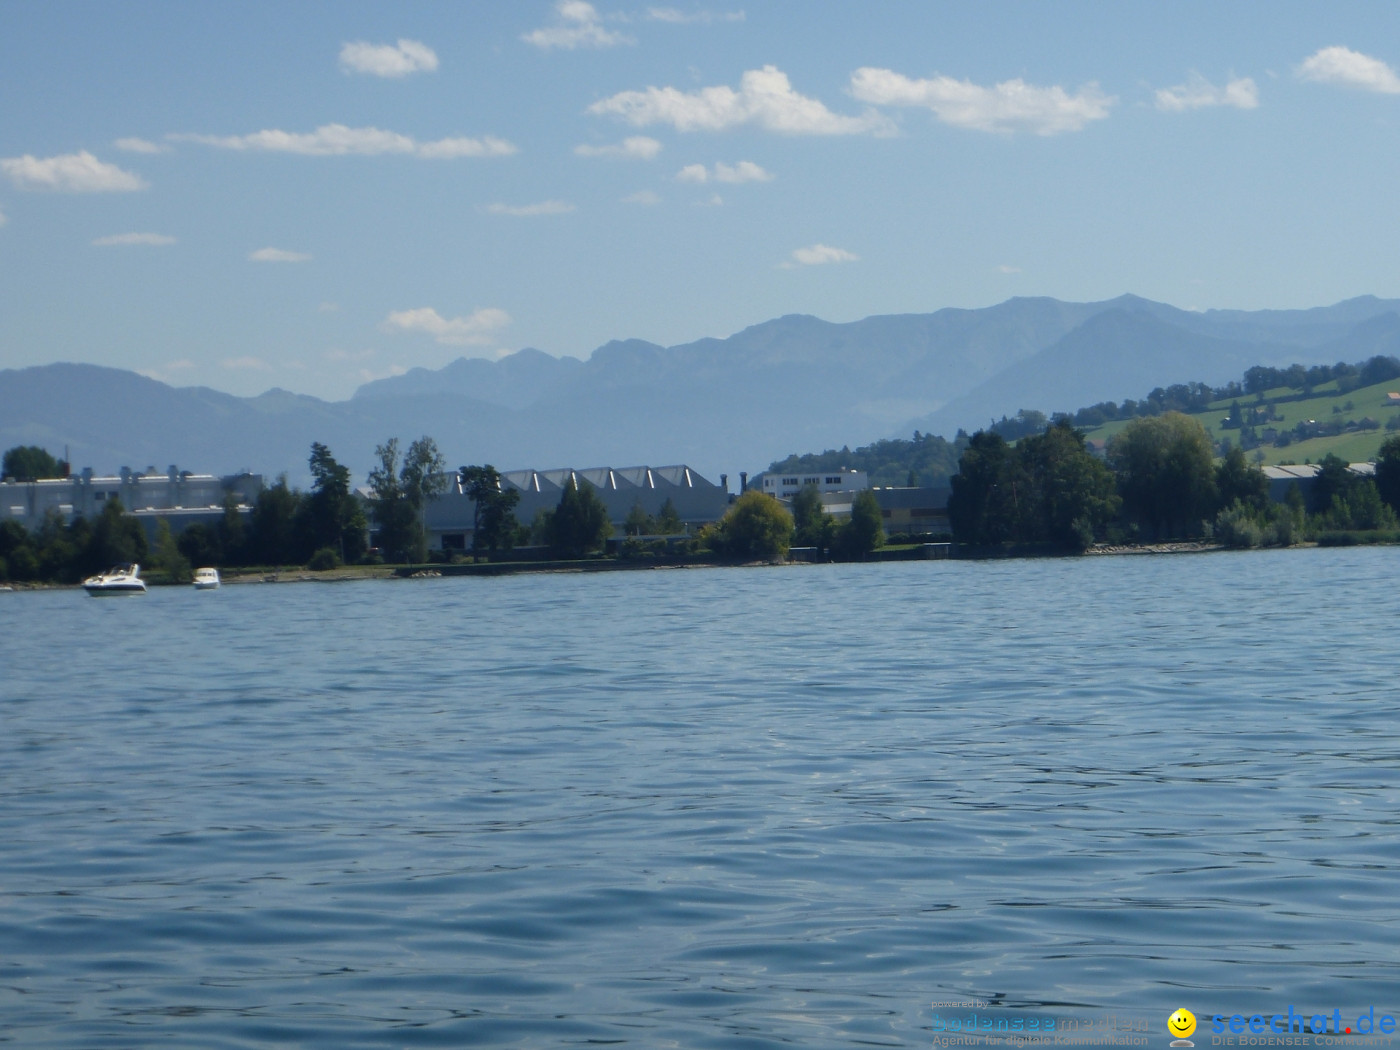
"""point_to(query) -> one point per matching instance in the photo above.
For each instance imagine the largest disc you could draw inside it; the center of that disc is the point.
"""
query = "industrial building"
(450, 518)
(179, 496)
(1304, 475)
(916, 511)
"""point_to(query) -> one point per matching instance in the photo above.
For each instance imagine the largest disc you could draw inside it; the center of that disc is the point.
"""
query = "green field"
(1354, 447)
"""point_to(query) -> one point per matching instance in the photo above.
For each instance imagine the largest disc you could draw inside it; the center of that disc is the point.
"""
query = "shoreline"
(350, 574)
(1178, 547)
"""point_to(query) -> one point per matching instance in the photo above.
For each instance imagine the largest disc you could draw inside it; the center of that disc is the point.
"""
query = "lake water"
(701, 808)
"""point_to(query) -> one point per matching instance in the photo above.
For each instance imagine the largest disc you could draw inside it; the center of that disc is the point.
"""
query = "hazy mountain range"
(794, 384)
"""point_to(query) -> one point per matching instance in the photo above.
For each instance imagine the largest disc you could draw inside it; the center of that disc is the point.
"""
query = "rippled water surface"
(699, 808)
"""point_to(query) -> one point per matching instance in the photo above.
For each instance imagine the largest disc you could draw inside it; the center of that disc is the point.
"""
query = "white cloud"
(277, 255)
(1341, 65)
(448, 149)
(542, 208)
(334, 140)
(246, 364)
(818, 255)
(1004, 268)
(474, 330)
(677, 17)
(744, 171)
(578, 25)
(638, 147)
(70, 173)
(388, 60)
(328, 307)
(1012, 105)
(713, 201)
(1200, 93)
(765, 99)
(134, 145)
(645, 197)
(154, 240)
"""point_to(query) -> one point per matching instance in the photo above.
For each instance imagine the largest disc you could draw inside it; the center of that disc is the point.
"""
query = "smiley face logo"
(1182, 1023)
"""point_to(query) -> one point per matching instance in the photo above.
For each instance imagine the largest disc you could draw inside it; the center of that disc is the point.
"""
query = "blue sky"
(311, 195)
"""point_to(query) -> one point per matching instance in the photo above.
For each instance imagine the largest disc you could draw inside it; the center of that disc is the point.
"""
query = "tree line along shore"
(1158, 481)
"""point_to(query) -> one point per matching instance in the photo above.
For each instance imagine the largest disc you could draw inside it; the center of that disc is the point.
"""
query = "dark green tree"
(984, 507)
(13, 537)
(423, 481)
(22, 564)
(668, 520)
(1388, 472)
(864, 532)
(200, 545)
(61, 547)
(167, 556)
(1067, 494)
(493, 512)
(756, 527)
(30, 463)
(274, 538)
(579, 523)
(331, 516)
(402, 493)
(1237, 479)
(638, 522)
(1047, 489)
(1333, 481)
(1296, 504)
(540, 528)
(422, 476)
(231, 534)
(812, 525)
(1166, 474)
(116, 538)
(391, 510)
(1363, 508)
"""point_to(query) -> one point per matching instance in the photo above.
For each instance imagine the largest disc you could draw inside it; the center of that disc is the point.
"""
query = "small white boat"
(119, 579)
(206, 579)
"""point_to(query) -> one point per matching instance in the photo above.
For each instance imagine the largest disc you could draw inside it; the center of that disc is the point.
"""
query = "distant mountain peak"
(719, 405)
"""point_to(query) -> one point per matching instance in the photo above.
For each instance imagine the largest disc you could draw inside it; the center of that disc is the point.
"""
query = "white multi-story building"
(842, 480)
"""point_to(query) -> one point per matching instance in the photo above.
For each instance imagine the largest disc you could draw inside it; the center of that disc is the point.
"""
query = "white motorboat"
(206, 579)
(119, 579)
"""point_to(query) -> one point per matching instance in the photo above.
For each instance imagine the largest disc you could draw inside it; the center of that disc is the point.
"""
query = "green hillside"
(1352, 413)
